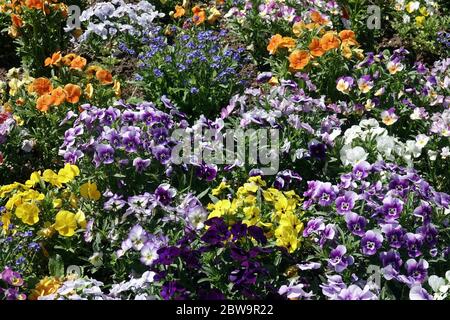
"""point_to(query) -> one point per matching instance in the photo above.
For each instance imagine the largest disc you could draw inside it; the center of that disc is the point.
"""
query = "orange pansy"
(73, 93)
(68, 58)
(54, 60)
(91, 71)
(34, 4)
(44, 102)
(179, 12)
(348, 37)
(199, 15)
(104, 76)
(78, 63)
(59, 96)
(274, 43)
(16, 20)
(315, 48)
(298, 59)
(316, 17)
(329, 41)
(41, 86)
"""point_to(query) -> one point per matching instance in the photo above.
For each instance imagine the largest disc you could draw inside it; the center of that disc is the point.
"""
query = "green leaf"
(56, 266)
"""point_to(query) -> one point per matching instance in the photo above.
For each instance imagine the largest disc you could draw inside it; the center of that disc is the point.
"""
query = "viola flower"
(371, 242)
(65, 223)
(164, 194)
(73, 93)
(389, 117)
(417, 271)
(315, 48)
(344, 84)
(54, 60)
(11, 277)
(44, 102)
(28, 213)
(78, 63)
(365, 83)
(298, 59)
(348, 38)
(361, 170)
(41, 86)
(329, 41)
(141, 164)
(104, 155)
(338, 260)
(392, 208)
(394, 234)
(325, 194)
(58, 96)
(413, 243)
(199, 15)
(355, 223)
(394, 66)
(104, 76)
(346, 203)
(89, 191)
(179, 12)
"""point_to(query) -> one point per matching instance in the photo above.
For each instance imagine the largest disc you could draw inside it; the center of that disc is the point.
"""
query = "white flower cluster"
(358, 140)
(89, 289)
(107, 19)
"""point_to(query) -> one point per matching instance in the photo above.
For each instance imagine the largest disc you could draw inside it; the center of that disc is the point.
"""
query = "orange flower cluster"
(48, 96)
(330, 40)
(16, 7)
(71, 60)
(70, 93)
(200, 14)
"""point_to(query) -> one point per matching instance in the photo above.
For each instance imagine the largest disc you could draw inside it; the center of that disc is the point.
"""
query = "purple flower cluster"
(390, 213)
(10, 284)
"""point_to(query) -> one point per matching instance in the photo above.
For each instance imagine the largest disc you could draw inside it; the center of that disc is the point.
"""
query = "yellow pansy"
(287, 238)
(222, 186)
(89, 191)
(258, 181)
(51, 177)
(57, 203)
(252, 215)
(28, 213)
(47, 286)
(35, 178)
(420, 20)
(6, 220)
(65, 223)
(68, 173)
(81, 219)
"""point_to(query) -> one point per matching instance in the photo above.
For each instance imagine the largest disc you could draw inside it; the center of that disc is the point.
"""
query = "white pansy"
(422, 140)
(352, 133)
(352, 156)
(445, 153)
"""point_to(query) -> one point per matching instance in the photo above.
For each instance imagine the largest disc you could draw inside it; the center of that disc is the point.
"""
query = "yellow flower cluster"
(27, 203)
(277, 212)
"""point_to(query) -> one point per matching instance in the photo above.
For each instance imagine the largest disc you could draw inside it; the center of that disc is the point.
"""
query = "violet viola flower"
(346, 203)
(429, 233)
(361, 170)
(325, 194)
(392, 208)
(294, 291)
(423, 211)
(413, 243)
(371, 242)
(313, 226)
(164, 194)
(355, 223)
(11, 277)
(416, 271)
(394, 234)
(141, 164)
(391, 262)
(338, 260)
(354, 292)
(104, 154)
